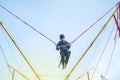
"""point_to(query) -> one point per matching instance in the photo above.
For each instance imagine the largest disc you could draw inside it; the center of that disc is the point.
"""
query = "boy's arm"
(68, 45)
(58, 46)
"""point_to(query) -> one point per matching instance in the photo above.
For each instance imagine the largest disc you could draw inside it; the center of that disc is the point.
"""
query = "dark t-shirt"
(64, 45)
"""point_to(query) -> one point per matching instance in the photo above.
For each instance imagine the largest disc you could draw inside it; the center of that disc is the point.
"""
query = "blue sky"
(53, 17)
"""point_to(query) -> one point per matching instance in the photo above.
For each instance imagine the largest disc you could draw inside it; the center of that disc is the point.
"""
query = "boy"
(64, 47)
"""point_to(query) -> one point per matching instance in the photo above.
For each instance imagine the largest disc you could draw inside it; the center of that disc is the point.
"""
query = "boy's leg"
(60, 63)
(62, 60)
(67, 58)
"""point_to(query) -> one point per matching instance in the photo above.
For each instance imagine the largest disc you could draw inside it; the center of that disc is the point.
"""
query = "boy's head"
(62, 37)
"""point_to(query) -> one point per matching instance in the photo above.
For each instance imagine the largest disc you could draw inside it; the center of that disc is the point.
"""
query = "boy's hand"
(58, 47)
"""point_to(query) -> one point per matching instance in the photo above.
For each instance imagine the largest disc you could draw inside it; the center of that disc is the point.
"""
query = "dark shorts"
(65, 53)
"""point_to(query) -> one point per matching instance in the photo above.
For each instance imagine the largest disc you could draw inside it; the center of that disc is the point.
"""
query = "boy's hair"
(62, 36)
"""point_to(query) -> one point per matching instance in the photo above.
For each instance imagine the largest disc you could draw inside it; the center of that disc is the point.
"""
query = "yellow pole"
(84, 73)
(14, 69)
(21, 52)
(66, 78)
(13, 74)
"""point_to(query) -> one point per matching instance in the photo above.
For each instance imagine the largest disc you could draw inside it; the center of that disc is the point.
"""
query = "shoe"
(63, 68)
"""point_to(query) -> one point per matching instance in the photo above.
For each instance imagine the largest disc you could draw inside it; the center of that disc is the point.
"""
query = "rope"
(21, 52)
(5, 60)
(92, 25)
(110, 60)
(93, 53)
(10, 49)
(102, 53)
(83, 55)
(117, 24)
(27, 24)
(45, 35)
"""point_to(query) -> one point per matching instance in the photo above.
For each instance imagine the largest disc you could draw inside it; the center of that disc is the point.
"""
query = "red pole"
(88, 76)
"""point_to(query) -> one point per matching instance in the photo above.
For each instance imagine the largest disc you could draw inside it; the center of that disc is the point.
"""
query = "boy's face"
(63, 39)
